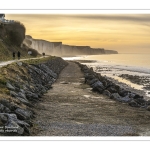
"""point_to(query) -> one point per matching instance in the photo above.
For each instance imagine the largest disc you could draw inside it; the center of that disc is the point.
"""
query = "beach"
(130, 70)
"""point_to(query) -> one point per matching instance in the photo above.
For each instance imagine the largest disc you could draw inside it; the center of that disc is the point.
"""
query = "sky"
(126, 33)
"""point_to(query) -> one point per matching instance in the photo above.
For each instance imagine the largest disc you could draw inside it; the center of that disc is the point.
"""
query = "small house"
(2, 16)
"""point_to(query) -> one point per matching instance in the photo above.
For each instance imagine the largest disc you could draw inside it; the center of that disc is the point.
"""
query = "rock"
(97, 84)
(4, 109)
(116, 96)
(16, 123)
(126, 99)
(148, 102)
(13, 94)
(134, 104)
(23, 114)
(8, 104)
(31, 96)
(140, 101)
(90, 82)
(112, 89)
(9, 86)
(123, 93)
(106, 92)
(137, 96)
(3, 119)
(148, 108)
(22, 95)
(26, 102)
(19, 63)
(131, 95)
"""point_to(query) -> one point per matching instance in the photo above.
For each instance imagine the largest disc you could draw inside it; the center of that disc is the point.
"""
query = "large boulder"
(133, 103)
(10, 86)
(23, 114)
(116, 96)
(4, 109)
(107, 93)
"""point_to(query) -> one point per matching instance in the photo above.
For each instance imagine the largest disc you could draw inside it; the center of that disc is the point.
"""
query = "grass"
(10, 72)
(6, 52)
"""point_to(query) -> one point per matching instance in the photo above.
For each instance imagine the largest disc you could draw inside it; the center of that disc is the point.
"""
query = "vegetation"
(10, 72)
(11, 38)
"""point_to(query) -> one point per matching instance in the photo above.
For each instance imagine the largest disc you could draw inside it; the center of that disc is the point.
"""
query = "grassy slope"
(6, 52)
(9, 72)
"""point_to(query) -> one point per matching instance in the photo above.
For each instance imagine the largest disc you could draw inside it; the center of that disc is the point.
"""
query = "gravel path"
(70, 108)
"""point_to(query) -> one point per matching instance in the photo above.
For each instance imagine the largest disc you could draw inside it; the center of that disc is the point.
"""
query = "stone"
(140, 101)
(133, 104)
(116, 96)
(23, 114)
(123, 93)
(90, 82)
(137, 96)
(3, 119)
(31, 96)
(19, 63)
(4, 109)
(112, 89)
(16, 123)
(97, 84)
(9, 86)
(22, 95)
(107, 93)
(126, 99)
(26, 102)
(8, 104)
(148, 108)
(13, 94)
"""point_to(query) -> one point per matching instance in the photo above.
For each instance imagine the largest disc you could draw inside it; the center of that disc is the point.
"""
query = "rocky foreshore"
(140, 80)
(22, 86)
(103, 85)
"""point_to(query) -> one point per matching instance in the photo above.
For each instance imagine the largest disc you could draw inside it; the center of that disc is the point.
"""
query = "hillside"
(11, 38)
(59, 49)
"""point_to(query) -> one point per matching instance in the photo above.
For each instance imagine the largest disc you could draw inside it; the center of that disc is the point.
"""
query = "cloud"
(137, 18)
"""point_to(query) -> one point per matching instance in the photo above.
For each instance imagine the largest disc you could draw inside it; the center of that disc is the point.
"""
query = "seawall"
(22, 85)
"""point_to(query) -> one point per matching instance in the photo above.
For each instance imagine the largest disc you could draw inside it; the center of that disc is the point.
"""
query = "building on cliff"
(4, 21)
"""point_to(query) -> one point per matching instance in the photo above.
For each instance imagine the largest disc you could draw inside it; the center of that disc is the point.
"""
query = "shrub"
(16, 33)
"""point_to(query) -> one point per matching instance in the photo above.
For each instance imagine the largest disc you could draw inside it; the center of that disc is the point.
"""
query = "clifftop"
(11, 38)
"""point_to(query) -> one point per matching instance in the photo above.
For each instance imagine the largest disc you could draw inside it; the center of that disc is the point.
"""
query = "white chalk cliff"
(59, 49)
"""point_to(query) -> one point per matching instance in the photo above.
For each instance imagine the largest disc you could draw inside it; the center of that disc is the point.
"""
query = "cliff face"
(59, 49)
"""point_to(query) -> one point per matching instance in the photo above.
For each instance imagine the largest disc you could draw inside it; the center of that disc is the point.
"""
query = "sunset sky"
(125, 33)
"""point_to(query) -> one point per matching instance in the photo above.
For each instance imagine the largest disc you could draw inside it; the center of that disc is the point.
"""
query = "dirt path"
(70, 108)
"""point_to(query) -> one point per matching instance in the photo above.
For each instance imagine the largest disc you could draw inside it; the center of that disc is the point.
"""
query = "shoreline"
(126, 80)
(69, 106)
(78, 111)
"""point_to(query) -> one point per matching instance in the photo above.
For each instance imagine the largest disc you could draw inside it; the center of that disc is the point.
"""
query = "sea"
(113, 65)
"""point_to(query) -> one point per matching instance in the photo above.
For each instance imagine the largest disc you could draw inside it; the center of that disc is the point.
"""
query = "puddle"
(78, 122)
(76, 83)
(87, 96)
(64, 82)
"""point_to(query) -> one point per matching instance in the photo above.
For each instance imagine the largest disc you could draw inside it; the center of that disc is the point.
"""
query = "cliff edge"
(60, 49)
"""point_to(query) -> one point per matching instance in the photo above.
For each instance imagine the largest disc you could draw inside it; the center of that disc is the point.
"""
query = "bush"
(16, 33)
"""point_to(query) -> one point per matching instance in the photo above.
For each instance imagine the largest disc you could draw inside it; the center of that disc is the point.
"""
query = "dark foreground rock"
(104, 86)
(26, 85)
